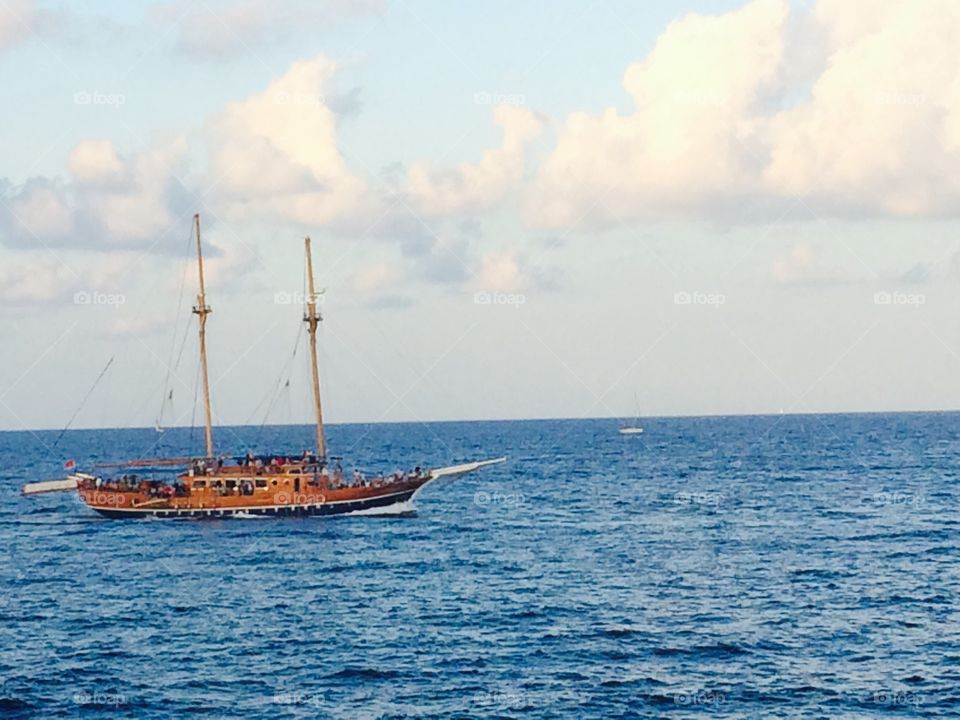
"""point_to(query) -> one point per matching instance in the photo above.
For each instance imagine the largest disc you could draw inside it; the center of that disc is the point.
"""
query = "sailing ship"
(273, 484)
(635, 428)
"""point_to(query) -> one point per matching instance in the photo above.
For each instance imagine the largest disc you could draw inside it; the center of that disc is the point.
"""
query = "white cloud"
(691, 140)
(95, 162)
(473, 187)
(110, 201)
(721, 116)
(40, 211)
(881, 132)
(276, 154)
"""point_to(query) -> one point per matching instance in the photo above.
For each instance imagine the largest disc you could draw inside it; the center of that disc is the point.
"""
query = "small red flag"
(70, 464)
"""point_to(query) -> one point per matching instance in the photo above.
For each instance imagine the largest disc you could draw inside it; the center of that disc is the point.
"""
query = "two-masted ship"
(264, 484)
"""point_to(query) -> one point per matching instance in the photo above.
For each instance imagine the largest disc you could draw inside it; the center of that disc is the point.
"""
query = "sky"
(597, 209)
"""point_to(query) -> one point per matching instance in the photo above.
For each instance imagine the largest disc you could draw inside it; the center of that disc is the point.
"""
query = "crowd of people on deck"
(337, 480)
(318, 471)
(135, 483)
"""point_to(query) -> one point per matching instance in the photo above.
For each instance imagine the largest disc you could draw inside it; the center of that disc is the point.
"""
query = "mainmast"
(312, 318)
(201, 310)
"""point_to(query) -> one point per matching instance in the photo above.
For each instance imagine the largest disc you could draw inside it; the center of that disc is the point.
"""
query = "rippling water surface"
(735, 567)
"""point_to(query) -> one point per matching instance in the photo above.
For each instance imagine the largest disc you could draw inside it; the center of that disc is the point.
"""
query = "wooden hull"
(341, 507)
(280, 503)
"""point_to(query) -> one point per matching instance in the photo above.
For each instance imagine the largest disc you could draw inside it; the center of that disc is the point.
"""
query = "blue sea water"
(746, 567)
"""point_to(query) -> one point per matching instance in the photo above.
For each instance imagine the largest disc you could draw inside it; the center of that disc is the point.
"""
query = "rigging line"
(85, 398)
(173, 335)
(280, 385)
(274, 388)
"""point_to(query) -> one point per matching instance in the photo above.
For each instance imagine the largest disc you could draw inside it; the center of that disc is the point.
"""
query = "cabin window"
(263, 483)
(199, 483)
(274, 482)
(217, 484)
(231, 484)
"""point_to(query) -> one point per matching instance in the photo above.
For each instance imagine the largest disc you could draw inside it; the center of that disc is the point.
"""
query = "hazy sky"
(518, 209)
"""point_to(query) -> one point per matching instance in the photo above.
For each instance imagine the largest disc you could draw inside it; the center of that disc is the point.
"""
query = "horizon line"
(643, 418)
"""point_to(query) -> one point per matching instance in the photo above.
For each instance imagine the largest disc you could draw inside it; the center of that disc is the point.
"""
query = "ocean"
(734, 567)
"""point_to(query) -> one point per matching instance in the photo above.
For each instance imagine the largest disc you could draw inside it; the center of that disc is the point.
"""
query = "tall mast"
(312, 318)
(201, 310)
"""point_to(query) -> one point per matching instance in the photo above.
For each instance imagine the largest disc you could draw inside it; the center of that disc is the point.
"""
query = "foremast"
(312, 318)
(201, 310)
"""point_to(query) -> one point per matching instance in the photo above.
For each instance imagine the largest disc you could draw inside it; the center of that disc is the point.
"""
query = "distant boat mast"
(201, 310)
(313, 318)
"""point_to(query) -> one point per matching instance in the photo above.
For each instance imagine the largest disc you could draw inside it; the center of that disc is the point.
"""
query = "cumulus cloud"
(272, 156)
(473, 187)
(95, 162)
(881, 132)
(108, 201)
(275, 154)
(721, 115)
(691, 139)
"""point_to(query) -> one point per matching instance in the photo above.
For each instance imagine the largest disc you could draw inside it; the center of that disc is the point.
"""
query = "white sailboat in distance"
(633, 428)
